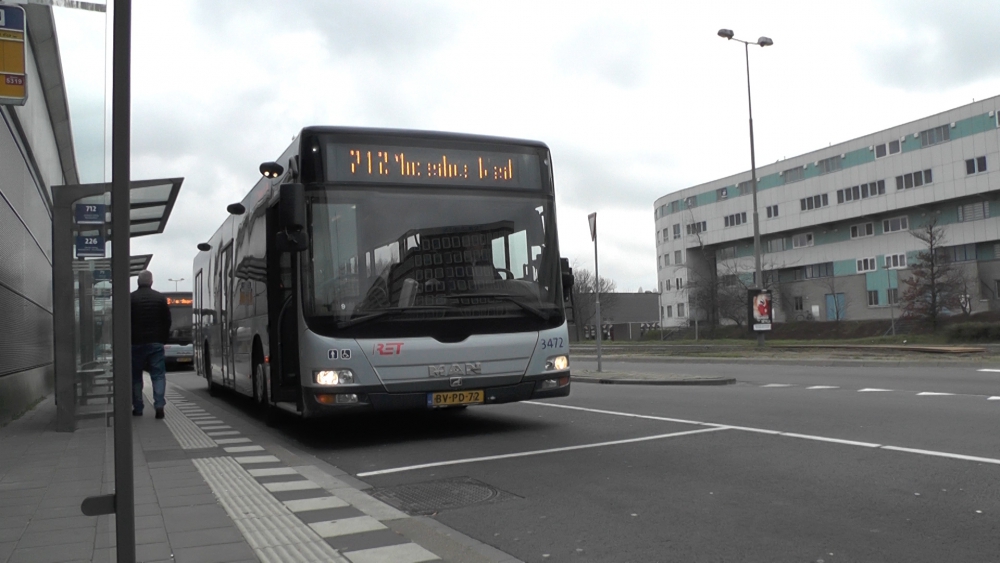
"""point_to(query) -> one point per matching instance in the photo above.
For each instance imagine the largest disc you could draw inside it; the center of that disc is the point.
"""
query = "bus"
(178, 351)
(383, 269)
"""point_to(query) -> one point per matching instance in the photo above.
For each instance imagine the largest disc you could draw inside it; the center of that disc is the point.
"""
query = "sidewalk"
(204, 493)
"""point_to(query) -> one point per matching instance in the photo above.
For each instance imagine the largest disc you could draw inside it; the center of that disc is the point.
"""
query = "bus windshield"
(180, 318)
(402, 259)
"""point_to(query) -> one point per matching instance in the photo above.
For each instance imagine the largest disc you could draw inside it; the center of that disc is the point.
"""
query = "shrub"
(973, 332)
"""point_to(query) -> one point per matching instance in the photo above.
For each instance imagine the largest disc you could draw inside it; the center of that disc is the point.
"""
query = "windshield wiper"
(511, 298)
(394, 312)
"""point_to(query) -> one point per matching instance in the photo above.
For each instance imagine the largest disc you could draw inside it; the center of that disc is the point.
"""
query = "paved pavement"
(204, 492)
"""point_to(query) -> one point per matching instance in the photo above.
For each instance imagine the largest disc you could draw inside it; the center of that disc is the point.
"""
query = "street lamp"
(759, 275)
(175, 282)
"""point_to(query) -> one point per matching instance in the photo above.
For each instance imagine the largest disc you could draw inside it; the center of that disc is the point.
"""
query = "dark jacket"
(150, 317)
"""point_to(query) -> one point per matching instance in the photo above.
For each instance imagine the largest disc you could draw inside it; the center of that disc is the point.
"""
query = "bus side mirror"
(567, 277)
(292, 213)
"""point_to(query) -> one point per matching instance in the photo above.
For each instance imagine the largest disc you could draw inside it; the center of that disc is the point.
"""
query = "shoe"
(159, 413)
(136, 413)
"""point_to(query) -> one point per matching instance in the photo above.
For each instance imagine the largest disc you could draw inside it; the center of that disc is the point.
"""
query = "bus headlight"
(557, 363)
(334, 377)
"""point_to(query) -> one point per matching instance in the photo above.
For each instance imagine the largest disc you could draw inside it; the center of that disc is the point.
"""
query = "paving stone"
(54, 553)
(366, 540)
(201, 538)
(187, 518)
(224, 553)
(153, 552)
(143, 522)
(49, 537)
(55, 524)
(150, 535)
(328, 514)
(188, 500)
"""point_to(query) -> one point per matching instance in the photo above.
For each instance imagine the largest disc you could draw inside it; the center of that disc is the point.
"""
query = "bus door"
(282, 317)
(226, 325)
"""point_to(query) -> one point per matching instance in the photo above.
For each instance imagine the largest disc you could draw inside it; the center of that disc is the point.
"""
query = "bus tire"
(260, 395)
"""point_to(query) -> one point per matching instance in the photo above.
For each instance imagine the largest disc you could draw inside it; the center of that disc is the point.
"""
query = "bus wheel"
(260, 393)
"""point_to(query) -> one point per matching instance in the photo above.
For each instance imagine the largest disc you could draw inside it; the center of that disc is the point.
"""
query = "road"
(790, 464)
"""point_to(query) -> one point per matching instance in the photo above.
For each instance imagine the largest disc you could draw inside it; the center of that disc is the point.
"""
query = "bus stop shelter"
(81, 230)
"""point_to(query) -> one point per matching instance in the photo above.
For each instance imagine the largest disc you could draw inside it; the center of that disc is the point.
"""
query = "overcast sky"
(635, 99)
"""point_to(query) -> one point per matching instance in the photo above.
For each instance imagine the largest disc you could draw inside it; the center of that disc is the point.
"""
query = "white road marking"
(345, 526)
(243, 449)
(787, 434)
(777, 385)
(402, 553)
(243, 460)
(290, 486)
(540, 452)
(272, 471)
(989, 370)
(307, 504)
(222, 433)
(232, 441)
(823, 387)
(993, 399)
(933, 394)
(872, 390)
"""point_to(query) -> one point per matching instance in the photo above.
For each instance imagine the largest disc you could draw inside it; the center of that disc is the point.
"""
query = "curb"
(613, 381)
(779, 361)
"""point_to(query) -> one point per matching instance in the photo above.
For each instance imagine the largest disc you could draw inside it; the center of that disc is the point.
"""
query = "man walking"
(150, 329)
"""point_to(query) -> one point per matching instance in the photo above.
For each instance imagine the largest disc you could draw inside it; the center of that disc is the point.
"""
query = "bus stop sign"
(90, 246)
(13, 81)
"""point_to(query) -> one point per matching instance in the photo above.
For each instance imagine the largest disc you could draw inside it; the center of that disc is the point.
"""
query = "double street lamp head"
(762, 41)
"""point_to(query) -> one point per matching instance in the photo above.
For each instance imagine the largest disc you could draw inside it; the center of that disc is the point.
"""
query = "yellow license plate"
(183, 360)
(454, 398)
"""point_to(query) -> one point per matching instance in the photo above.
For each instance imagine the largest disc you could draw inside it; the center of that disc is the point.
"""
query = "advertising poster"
(760, 312)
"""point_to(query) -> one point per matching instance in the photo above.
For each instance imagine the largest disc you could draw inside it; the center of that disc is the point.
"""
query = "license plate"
(454, 398)
(183, 360)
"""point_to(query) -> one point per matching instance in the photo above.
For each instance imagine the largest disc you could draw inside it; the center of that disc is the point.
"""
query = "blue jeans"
(148, 357)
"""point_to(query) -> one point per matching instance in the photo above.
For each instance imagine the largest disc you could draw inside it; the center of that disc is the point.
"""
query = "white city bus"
(387, 269)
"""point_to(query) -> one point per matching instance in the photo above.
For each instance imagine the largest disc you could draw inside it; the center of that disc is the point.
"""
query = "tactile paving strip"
(187, 433)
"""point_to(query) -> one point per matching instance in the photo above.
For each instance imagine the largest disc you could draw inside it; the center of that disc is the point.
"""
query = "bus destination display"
(431, 166)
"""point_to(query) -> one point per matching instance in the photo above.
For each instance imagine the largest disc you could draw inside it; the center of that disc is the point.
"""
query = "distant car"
(178, 355)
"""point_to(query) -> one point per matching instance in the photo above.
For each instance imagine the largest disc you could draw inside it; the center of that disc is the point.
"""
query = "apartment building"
(836, 223)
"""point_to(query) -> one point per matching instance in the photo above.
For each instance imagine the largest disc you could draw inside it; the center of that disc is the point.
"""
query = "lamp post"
(175, 282)
(759, 274)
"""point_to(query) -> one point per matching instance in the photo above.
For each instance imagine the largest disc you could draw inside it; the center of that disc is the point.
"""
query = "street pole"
(892, 312)
(597, 288)
(121, 108)
(758, 272)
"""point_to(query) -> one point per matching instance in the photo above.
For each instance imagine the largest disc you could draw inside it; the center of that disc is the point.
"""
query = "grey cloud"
(595, 178)
(614, 52)
(947, 44)
(385, 29)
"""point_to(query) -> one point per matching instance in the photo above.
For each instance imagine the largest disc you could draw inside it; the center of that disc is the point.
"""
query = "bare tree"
(936, 284)
(839, 304)
(584, 307)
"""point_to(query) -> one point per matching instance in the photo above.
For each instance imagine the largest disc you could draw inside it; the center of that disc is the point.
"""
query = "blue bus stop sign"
(102, 275)
(90, 246)
(89, 213)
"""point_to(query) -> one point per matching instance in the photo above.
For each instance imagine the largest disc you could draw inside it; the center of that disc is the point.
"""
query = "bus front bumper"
(322, 402)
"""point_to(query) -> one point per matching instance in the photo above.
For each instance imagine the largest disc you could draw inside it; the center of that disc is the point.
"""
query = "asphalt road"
(790, 464)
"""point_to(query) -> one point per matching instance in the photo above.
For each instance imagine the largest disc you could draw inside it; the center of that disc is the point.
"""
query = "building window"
(814, 202)
(670, 311)
(828, 165)
(873, 298)
(863, 230)
(892, 296)
(666, 259)
(772, 211)
(794, 174)
(824, 270)
(677, 231)
(680, 309)
(880, 151)
(691, 201)
(798, 304)
(723, 193)
(726, 253)
(893, 147)
(678, 257)
(696, 228)
(679, 283)
(974, 211)
(659, 262)
(735, 219)
(775, 245)
(975, 165)
(745, 188)
(666, 235)
(895, 224)
(914, 179)
(861, 191)
(935, 136)
(866, 265)
(802, 240)
(895, 261)
(960, 253)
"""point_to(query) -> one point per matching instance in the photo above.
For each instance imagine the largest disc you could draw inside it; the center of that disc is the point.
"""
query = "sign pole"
(597, 288)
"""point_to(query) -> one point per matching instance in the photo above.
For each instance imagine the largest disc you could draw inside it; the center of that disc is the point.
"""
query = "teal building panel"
(845, 268)
(973, 125)
(769, 181)
(986, 251)
(858, 157)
